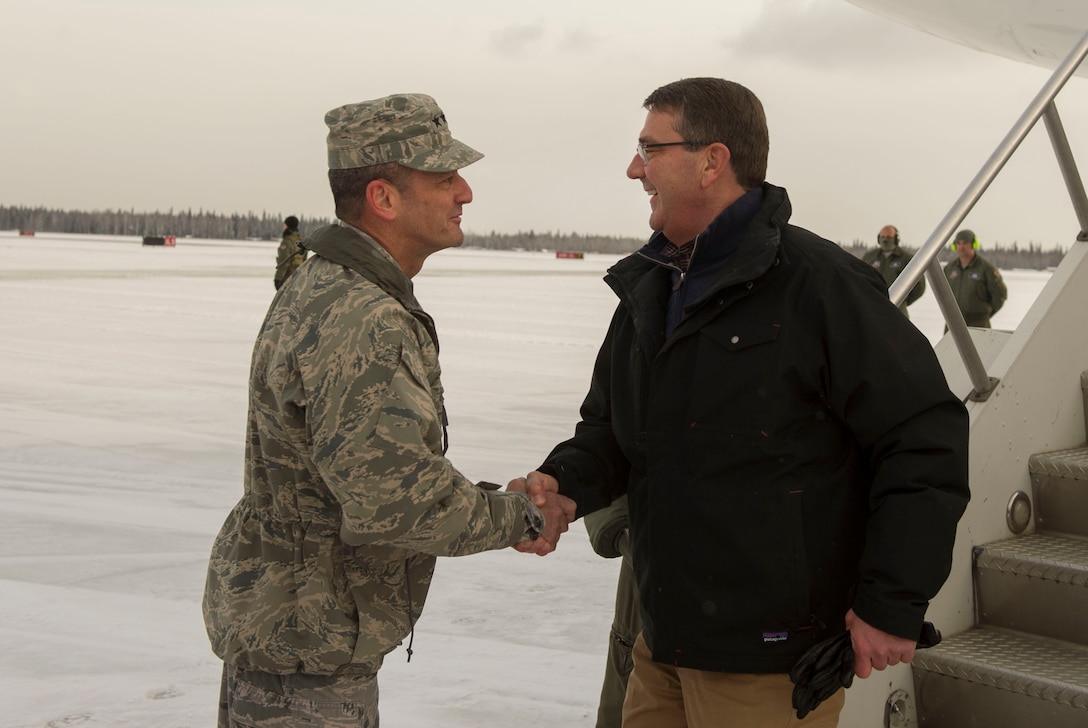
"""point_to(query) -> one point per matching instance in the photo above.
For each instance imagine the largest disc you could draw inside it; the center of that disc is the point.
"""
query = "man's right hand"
(558, 510)
(875, 649)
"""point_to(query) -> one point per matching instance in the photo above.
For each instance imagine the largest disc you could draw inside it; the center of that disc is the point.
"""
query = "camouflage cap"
(406, 128)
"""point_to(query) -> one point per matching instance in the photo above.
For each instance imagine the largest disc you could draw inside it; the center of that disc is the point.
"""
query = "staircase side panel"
(1035, 408)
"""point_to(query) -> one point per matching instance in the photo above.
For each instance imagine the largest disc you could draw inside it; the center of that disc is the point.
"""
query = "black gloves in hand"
(821, 671)
(829, 665)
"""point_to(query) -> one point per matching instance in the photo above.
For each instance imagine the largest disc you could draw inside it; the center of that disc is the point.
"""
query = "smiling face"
(429, 215)
(671, 176)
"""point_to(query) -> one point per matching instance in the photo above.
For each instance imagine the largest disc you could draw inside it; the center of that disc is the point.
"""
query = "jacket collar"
(976, 260)
(751, 257)
(347, 245)
(718, 241)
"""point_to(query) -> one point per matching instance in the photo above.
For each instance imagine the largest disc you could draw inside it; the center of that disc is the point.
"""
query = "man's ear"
(383, 199)
(717, 160)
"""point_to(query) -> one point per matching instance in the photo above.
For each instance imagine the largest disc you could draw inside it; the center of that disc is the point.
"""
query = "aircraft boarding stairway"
(1014, 609)
(1026, 663)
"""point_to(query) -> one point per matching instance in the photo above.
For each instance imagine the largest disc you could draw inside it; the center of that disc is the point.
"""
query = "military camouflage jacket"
(327, 558)
(289, 256)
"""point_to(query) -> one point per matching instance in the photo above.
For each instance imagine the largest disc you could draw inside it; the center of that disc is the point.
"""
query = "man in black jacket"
(794, 461)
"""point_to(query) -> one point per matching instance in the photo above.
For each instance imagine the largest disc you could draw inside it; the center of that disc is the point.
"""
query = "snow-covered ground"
(123, 373)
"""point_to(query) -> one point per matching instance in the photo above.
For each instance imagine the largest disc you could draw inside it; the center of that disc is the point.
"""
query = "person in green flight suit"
(977, 285)
(609, 537)
(890, 260)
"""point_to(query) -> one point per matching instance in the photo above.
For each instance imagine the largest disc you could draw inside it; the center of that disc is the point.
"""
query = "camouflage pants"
(626, 627)
(252, 699)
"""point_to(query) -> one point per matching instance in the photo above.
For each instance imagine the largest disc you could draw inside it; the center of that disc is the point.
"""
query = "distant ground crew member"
(290, 254)
(890, 260)
(977, 285)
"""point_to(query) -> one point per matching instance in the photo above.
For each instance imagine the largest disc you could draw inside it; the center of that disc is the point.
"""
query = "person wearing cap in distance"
(889, 260)
(323, 566)
(290, 255)
(977, 285)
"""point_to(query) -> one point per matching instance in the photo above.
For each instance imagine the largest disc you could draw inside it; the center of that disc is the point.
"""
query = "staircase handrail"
(925, 260)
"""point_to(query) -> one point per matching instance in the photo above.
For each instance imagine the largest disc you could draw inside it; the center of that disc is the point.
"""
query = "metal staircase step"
(996, 677)
(1069, 463)
(1059, 483)
(1037, 584)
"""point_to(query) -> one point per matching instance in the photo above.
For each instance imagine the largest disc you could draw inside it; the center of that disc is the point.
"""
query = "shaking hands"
(558, 510)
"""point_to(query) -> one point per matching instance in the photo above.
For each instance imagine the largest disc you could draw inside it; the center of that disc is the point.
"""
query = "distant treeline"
(554, 241)
(186, 223)
(269, 226)
(266, 226)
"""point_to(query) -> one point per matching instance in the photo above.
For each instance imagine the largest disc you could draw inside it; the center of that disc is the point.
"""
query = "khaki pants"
(664, 696)
(252, 699)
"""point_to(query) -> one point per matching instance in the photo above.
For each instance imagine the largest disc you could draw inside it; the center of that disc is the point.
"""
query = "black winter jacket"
(791, 451)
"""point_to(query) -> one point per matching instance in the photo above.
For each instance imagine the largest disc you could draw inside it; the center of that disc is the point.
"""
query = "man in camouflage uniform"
(889, 260)
(323, 566)
(290, 254)
(977, 285)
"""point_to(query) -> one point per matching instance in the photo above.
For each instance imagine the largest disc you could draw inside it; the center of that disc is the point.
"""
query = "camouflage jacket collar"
(352, 248)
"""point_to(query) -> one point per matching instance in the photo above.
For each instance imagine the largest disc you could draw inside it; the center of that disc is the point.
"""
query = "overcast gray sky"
(158, 104)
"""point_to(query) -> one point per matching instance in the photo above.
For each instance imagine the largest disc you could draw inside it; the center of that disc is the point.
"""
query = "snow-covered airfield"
(123, 373)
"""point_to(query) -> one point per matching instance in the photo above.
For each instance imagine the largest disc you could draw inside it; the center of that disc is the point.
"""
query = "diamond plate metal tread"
(1037, 667)
(1040, 556)
(1070, 463)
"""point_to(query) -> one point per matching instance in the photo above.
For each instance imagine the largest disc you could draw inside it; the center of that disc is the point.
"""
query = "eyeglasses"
(642, 148)
(886, 238)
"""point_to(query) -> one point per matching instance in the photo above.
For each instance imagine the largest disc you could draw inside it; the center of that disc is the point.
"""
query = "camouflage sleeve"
(283, 254)
(377, 439)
